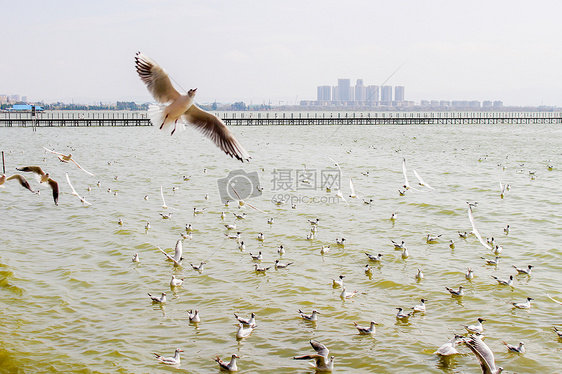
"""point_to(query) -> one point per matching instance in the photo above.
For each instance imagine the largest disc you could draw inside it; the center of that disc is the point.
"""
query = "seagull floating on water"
(366, 330)
(193, 316)
(281, 250)
(476, 328)
(336, 283)
(176, 282)
(199, 267)
(309, 317)
(432, 239)
(176, 109)
(230, 366)
(280, 265)
(257, 257)
(469, 274)
(376, 258)
(136, 258)
(170, 360)
(244, 332)
(453, 292)
(401, 315)
(419, 275)
(398, 245)
(321, 360)
(493, 262)
(515, 348)
(523, 270)
(261, 269)
(347, 295)
(449, 348)
(504, 282)
(156, 299)
(523, 305)
(420, 307)
(246, 321)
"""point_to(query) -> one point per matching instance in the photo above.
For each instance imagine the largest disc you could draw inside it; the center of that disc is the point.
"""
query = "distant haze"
(279, 52)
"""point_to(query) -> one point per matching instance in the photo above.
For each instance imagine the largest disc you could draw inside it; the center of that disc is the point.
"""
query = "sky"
(278, 52)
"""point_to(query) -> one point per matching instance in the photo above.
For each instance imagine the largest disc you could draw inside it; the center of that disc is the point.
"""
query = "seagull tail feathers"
(157, 117)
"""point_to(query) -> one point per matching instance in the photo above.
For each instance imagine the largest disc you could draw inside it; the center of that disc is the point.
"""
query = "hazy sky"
(279, 51)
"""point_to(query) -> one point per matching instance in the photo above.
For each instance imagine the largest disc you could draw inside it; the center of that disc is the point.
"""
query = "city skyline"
(440, 50)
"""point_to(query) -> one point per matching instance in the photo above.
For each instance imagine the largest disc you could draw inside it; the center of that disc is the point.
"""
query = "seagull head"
(179, 350)
(191, 93)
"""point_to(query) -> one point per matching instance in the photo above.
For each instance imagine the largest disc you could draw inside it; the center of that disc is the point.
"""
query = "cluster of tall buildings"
(6, 99)
(344, 94)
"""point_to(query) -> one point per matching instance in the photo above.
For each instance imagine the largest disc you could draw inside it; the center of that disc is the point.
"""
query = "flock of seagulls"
(176, 110)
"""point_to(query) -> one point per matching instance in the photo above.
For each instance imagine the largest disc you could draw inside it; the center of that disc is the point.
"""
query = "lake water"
(72, 300)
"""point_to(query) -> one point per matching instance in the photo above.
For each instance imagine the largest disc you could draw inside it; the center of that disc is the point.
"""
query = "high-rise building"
(360, 91)
(386, 95)
(372, 94)
(399, 94)
(324, 93)
(344, 89)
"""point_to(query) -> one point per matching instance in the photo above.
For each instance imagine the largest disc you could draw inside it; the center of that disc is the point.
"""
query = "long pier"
(126, 118)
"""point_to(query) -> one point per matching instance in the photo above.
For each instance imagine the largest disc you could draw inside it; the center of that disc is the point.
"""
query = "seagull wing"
(422, 182)
(404, 171)
(81, 168)
(556, 301)
(178, 251)
(156, 79)
(71, 187)
(320, 348)
(352, 188)
(483, 353)
(56, 153)
(83, 200)
(24, 183)
(474, 230)
(55, 187)
(169, 257)
(32, 169)
(163, 201)
(215, 129)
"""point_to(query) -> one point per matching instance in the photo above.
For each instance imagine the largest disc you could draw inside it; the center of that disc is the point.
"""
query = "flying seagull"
(43, 178)
(68, 158)
(176, 109)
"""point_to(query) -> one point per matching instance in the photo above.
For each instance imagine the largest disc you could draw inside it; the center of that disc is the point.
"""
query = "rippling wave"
(72, 300)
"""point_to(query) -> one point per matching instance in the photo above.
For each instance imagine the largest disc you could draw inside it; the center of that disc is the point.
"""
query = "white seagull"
(82, 199)
(515, 348)
(228, 366)
(366, 330)
(244, 332)
(321, 360)
(337, 283)
(246, 321)
(474, 230)
(376, 258)
(347, 295)
(476, 328)
(176, 282)
(170, 360)
(504, 282)
(449, 348)
(136, 258)
(401, 315)
(420, 307)
(523, 270)
(421, 181)
(176, 109)
(523, 305)
(67, 158)
(193, 316)
(280, 265)
(453, 292)
(177, 257)
(309, 317)
(156, 299)
(484, 354)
